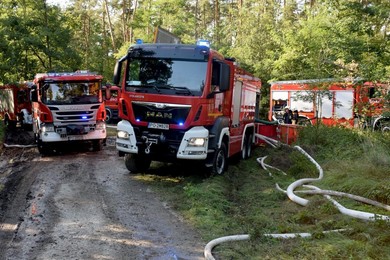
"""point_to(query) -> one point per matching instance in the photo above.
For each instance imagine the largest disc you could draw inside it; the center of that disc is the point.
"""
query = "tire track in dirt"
(86, 205)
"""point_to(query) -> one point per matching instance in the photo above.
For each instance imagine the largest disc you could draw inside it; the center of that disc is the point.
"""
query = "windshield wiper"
(158, 88)
(143, 88)
(183, 90)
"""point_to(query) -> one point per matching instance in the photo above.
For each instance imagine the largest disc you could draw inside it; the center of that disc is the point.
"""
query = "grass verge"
(245, 200)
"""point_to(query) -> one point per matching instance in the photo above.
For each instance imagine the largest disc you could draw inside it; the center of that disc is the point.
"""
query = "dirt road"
(85, 205)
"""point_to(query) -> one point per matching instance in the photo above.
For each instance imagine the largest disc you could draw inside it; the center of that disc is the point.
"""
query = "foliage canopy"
(276, 40)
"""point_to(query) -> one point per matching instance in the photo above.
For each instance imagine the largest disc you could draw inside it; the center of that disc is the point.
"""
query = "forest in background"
(274, 39)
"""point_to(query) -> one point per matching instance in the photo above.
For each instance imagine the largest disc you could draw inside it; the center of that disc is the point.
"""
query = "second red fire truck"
(68, 107)
(183, 102)
(15, 105)
(331, 102)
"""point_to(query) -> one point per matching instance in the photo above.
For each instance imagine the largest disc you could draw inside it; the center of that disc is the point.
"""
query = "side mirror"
(117, 73)
(108, 93)
(220, 78)
(224, 77)
(34, 94)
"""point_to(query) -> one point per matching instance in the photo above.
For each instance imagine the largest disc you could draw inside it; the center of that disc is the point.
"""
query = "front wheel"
(108, 115)
(43, 148)
(136, 163)
(97, 145)
(220, 160)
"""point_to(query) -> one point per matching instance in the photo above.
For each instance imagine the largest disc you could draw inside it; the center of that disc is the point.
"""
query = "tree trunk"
(110, 26)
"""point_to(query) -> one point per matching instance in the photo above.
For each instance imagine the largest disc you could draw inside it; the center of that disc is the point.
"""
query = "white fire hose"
(290, 193)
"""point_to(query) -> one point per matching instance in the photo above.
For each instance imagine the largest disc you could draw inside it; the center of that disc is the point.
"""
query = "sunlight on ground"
(6, 227)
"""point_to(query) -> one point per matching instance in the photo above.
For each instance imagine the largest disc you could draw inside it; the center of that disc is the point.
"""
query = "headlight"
(100, 125)
(122, 134)
(48, 128)
(196, 141)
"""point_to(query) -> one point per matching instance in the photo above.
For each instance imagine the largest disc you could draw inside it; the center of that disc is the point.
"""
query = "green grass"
(111, 131)
(245, 201)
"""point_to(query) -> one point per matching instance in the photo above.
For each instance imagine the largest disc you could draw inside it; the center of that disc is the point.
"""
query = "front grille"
(160, 112)
(77, 114)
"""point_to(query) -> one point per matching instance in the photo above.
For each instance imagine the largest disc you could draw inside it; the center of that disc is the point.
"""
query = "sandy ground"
(79, 204)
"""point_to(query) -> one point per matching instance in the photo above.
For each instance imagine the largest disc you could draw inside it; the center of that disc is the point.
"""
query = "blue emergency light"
(203, 43)
(139, 41)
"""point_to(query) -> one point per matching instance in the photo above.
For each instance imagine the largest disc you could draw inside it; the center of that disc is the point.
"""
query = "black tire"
(9, 124)
(136, 163)
(97, 145)
(43, 148)
(219, 160)
(108, 115)
(249, 146)
(244, 151)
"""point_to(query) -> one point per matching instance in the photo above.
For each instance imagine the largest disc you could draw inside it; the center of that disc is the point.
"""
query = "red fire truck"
(111, 98)
(15, 105)
(183, 102)
(68, 107)
(329, 102)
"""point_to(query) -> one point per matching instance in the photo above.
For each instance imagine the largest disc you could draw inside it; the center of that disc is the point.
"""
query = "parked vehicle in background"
(330, 102)
(15, 105)
(111, 100)
(68, 107)
(183, 102)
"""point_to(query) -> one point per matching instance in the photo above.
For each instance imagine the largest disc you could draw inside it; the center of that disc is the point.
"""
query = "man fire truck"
(68, 107)
(183, 102)
(15, 105)
(330, 102)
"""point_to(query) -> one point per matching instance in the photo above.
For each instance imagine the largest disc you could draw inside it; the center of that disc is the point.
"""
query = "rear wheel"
(220, 160)
(244, 151)
(136, 163)
(249, 146)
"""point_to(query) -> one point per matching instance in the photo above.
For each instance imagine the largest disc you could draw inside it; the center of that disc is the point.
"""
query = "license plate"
(75, 137)
(158, 126)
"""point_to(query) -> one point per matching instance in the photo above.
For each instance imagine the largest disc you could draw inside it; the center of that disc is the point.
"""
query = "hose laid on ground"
(19, 145)
(208, 248)
(347, 195)
(272, 142)
(290, 192)
(295, 184)
(210, 245)
(265, 166)
(351, 212)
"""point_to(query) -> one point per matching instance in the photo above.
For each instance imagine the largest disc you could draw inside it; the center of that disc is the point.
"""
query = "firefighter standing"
(287, 116)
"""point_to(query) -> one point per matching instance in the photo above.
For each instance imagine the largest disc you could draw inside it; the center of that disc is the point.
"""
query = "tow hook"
(147, 149)
(148, 143)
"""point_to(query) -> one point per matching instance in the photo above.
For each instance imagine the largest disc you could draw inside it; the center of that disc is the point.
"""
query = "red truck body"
(68, 107)
(183, 102)
(15, 105)
(111, 96)
(334, 104)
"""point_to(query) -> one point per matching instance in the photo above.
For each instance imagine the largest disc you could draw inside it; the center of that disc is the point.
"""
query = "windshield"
(166, 76)
(59, 93)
